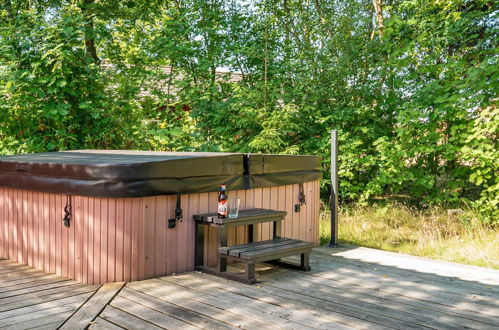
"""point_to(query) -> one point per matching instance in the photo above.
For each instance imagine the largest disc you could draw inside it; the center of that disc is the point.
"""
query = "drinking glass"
(234, 207)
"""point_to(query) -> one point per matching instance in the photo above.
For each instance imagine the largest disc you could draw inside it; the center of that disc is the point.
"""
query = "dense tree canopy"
(412, 85)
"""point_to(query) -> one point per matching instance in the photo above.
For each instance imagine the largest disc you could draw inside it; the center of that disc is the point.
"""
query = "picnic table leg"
(305, 261)
(222, 241)
(252, 233)
(199, 245)
(277, 229)
(250, 272)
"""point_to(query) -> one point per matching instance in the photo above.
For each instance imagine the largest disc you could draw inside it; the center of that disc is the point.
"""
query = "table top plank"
(246, 217)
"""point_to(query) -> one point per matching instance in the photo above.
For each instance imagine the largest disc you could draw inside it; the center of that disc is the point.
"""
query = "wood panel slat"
(71, 242)
(127, 240)
(212, 232)
(10, 233)
(162, 237)
(46, 236)
(93, 242)
(3, 230)
(19, 226)
(149, 232)
(104, 246)
(52, 233)
(64, 240)
(171, 245)
(111, 241)
(182, 237)
(88, 222)
(10, 219)
(266, 228)
(248, 203)
(28, 212)
(120, 235)
(137, 224)
(193, 209)
(203, 208)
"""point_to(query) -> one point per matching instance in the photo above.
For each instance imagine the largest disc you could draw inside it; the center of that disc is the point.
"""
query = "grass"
(439, 234)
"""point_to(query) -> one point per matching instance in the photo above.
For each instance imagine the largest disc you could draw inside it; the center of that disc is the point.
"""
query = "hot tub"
(117, 205)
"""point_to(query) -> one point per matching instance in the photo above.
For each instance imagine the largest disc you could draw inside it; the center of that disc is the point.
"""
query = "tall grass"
(437, 233)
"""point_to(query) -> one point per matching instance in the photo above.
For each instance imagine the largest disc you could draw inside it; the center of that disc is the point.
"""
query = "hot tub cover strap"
(178, 213)
(68, 210)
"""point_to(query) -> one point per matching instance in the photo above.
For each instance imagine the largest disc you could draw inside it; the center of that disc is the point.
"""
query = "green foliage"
(54, 96)
(480, 152)
(414, 99)
(447, 53)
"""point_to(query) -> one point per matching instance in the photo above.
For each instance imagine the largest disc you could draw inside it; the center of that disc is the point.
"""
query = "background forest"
(411, 85)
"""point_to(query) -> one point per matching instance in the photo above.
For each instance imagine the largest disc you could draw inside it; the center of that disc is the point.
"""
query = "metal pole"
(334, 189)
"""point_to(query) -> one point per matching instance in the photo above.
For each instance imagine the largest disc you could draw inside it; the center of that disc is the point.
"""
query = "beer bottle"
(222, 202)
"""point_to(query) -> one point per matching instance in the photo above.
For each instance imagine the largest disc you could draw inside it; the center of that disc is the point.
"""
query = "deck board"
(347, 288)
(91, 309)
(261, 308)
(27, 300)
(459, 296)
(449, 314)
(37, 300)
(152, 309)
(126, 320)
(100, 323)
(372, 270)
(206, 308)
(48, 322)
(187, 315)
(255, 299)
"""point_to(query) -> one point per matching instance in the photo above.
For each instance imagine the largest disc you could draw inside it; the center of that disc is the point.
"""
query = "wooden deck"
(347, 288)
(30, 298)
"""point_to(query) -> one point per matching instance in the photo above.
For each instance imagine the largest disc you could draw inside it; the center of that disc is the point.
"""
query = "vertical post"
(277, 229)
(334, 189)
(222, 242)
(199, 246)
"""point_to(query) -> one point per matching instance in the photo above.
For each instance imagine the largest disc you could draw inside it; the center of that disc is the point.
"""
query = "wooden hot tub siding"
(127, 239)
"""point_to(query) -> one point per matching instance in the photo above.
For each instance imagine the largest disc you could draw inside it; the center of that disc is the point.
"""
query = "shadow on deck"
(347, 288)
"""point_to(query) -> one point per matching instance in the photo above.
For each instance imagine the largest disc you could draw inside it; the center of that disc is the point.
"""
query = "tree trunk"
(378, 8)
(90, 49)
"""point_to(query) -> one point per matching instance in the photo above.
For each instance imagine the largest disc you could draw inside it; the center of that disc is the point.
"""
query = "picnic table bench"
(253, 252)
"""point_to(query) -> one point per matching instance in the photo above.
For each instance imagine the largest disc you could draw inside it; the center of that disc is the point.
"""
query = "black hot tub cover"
(116, 173)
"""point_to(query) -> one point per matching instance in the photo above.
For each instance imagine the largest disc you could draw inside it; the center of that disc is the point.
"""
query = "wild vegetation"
(411, 85)
(451, 235)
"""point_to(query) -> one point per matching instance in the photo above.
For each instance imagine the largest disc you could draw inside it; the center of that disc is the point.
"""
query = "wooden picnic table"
(252, 252)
